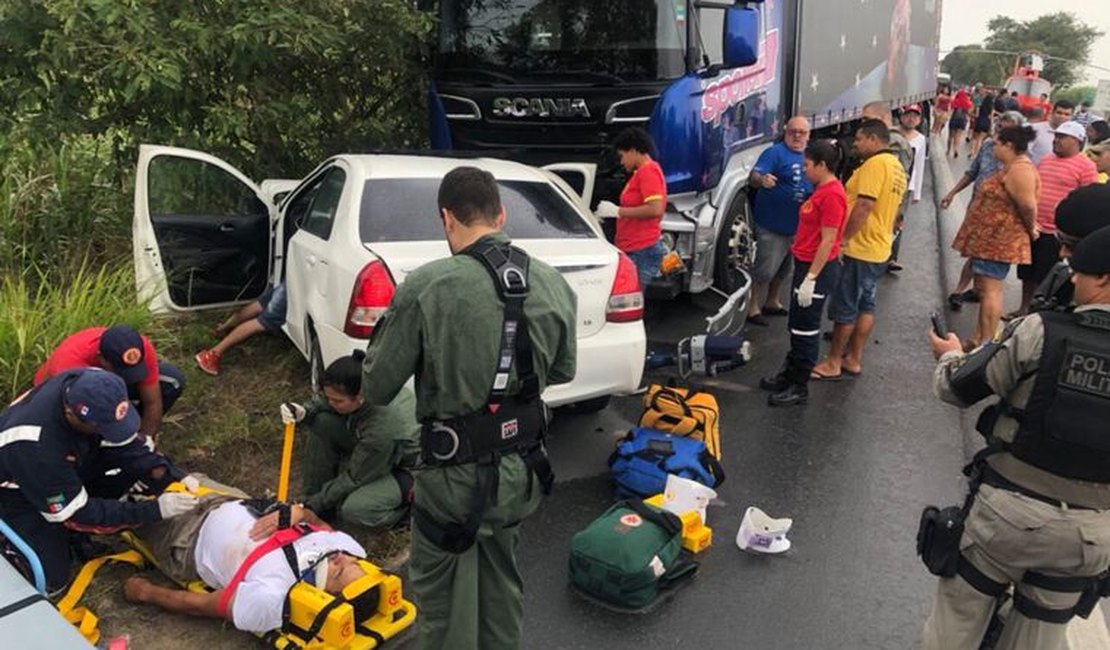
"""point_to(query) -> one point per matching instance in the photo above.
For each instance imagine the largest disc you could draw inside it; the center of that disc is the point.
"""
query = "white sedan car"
(343, 238)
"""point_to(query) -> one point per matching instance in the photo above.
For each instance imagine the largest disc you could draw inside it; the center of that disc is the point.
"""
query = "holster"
(938, 539)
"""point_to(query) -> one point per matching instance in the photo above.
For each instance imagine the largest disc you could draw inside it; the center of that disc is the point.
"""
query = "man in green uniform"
(1040, 520)
(481, 351)
(358, 456)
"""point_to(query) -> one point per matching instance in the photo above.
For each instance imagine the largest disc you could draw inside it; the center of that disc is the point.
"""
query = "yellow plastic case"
(696, 536)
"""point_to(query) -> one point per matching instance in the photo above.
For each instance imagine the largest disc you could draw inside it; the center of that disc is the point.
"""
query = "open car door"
(201, 232)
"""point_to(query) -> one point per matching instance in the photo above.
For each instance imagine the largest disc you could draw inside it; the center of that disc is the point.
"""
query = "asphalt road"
(853, 469)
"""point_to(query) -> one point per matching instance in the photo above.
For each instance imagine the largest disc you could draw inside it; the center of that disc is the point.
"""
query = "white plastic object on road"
(760, 533)
(681, 495)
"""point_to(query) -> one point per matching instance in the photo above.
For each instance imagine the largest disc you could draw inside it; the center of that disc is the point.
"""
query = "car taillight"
(369, 299)
(626, 301)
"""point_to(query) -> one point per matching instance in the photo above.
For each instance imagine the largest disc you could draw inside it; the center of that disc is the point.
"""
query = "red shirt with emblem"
(827, 207)
(82, 350)
(646, 185)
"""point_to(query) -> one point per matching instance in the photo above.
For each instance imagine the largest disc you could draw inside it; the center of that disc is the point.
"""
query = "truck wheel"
(735, 246)
(315, 363)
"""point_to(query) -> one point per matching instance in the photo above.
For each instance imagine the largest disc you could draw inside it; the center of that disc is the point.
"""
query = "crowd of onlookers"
(1023, 165)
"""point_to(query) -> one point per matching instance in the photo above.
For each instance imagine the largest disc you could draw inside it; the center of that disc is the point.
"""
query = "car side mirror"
(741, 37)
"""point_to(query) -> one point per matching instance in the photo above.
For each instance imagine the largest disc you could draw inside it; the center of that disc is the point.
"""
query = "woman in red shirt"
(643, 201)
(821, 222)
(957, 121)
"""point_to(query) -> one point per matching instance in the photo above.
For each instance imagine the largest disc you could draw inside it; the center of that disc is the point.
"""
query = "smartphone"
(940, 328)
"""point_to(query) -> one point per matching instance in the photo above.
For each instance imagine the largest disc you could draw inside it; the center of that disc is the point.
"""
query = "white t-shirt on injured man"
(224, 542)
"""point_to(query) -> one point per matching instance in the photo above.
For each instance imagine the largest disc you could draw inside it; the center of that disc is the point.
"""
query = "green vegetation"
(38, 314)
(1077, 94)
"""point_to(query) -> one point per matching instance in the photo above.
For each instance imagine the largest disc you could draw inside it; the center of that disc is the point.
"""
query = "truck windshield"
(528, 40)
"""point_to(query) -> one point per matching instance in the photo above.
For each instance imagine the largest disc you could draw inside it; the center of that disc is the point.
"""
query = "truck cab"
(552, 82)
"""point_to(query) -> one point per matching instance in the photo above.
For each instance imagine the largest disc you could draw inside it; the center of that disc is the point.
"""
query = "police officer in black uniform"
(56, 441)
(1040, 520)
(1081, 213)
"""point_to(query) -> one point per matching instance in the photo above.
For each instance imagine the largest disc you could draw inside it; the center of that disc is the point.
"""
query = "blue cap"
(123, 347)
(99, 398)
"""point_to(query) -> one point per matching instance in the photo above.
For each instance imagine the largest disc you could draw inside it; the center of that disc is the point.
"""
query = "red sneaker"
(209, 361)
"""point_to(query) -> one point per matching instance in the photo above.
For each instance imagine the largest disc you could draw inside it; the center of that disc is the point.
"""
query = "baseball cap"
(1074, 129)
(912, 108)
(123, 348)
(1091, 256)
(99, 398)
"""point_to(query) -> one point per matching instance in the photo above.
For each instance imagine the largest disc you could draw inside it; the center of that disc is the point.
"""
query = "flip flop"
(816, 376)
(775, 311)
(759, 320)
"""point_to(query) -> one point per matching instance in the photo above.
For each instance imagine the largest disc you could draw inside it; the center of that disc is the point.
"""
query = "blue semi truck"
(551, 82)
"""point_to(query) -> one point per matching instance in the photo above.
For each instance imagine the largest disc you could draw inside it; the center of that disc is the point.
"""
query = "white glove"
(148, 442)
(291, 413)
(606, 210)
(805, 291)
(172, 504)
(191, 483)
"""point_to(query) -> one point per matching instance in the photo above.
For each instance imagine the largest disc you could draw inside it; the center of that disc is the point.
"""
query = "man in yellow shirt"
(875, 192)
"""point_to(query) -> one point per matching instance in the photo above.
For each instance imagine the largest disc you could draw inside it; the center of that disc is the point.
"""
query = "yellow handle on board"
(286, 462)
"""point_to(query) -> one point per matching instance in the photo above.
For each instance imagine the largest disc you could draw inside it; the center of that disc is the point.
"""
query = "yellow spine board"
(696, 536)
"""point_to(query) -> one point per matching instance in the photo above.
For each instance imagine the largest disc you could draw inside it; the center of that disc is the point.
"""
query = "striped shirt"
(1059, 176)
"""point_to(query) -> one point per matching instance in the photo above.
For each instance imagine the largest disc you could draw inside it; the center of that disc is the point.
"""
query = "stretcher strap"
(81, 617)
(281, 539)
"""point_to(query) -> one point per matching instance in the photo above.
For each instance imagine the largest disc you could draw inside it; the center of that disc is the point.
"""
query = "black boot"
(795, 394)
(775, 384)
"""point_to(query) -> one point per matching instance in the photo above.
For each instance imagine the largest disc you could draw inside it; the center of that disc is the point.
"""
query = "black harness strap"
(285, 519)
(979, 580)
(1030, 609)
(508, 268)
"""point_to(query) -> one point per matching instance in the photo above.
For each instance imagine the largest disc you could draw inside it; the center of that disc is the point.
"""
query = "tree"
(273, 86)
(968, 64)
(1077, 94)
(1059, 34)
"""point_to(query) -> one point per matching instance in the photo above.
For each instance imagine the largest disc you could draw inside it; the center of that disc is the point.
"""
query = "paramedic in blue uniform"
(56, 441)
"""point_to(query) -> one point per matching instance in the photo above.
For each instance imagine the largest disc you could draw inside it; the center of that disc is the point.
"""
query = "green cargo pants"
(1005, 535)
(473, 600)
(376, 504)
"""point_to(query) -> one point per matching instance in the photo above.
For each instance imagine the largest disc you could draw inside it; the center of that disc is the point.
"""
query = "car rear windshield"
(405, 209)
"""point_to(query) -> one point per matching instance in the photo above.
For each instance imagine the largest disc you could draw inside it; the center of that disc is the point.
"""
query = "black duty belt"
(996, 480)
(516, 427)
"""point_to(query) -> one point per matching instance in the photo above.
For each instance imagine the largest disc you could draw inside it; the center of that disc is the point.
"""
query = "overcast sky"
(965, 22)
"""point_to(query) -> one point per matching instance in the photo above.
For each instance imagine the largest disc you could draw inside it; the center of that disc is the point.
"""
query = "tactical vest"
(1065, 427)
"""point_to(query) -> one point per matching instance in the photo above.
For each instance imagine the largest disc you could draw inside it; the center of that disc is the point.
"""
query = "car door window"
(325, 203)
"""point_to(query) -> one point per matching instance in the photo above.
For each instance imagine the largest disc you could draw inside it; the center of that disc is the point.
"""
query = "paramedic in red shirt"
(821, 222)
(152, 384)
(643, 201)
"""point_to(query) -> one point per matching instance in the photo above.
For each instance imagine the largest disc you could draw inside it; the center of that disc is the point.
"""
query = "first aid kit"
(684, 412)
(629, 556)
(645, 457)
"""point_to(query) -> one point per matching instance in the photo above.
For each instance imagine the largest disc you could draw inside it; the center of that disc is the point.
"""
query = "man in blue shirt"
(782, 188)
